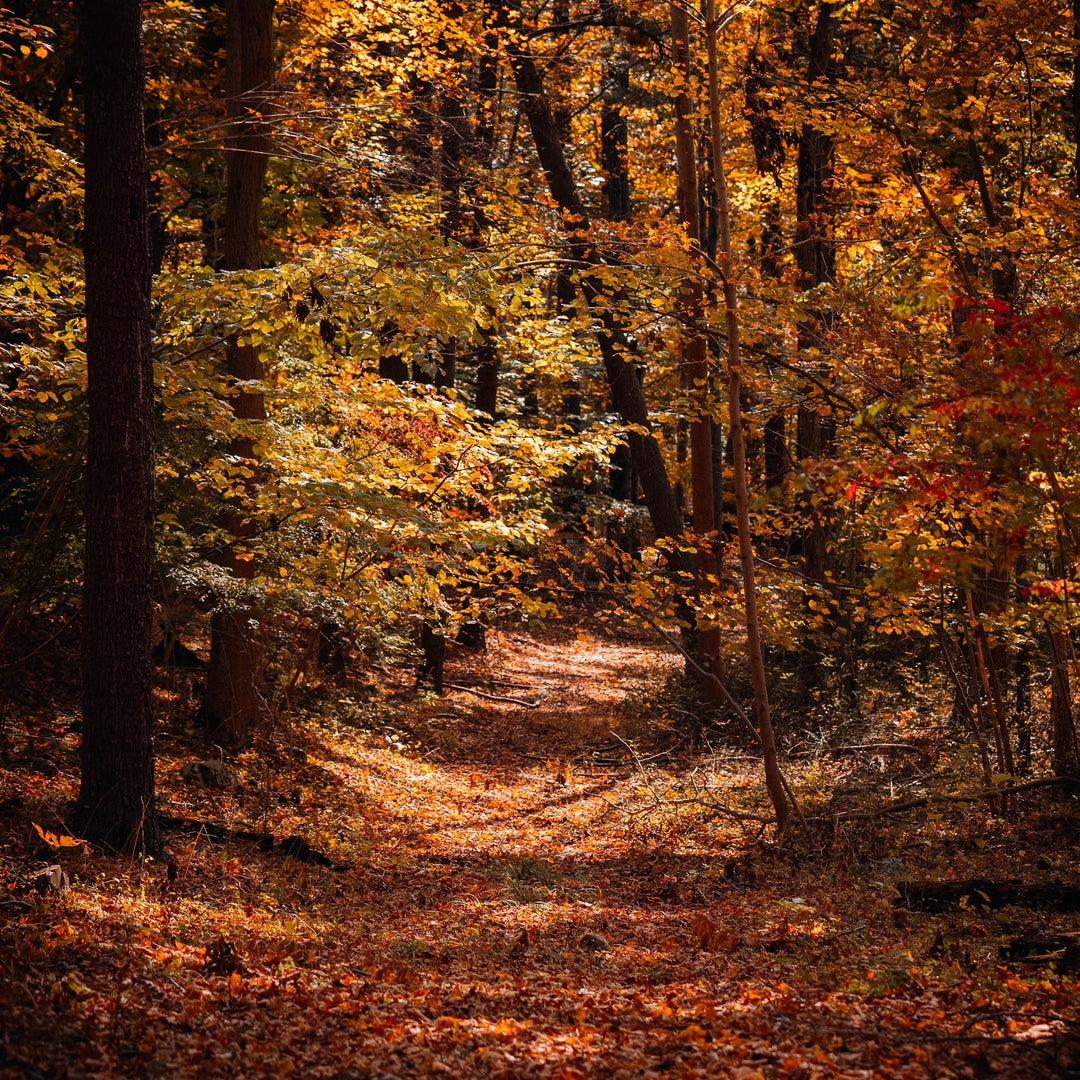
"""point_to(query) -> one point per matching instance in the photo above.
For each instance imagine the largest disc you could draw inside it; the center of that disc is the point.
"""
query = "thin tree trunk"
(695, 366)
(774, 780)
(115, 805)
(1062, 726)
(231, 704)
(1075, 96)
(487, 353)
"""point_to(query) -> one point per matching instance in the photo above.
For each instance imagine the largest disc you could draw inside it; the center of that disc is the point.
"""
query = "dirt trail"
(510, 909)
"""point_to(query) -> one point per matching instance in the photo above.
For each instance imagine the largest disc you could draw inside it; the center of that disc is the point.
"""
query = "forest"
(538, 538)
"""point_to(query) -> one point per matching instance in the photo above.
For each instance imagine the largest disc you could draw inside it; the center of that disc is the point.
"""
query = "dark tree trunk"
(433, 645)
(115, 806)
(1062, 725)
(816, 262)
(777, 455)
(392, 364)
(1075, 95)
(694, 355)
(487, 377)
(777, 461)
(231, 704)
(453, 132)
(614, 140)
(487, 355)
(615, 348)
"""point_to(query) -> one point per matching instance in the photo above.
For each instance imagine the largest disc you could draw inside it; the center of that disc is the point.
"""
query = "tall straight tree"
(815, 258)
(695, 364)
(115, 806)
(231, 705)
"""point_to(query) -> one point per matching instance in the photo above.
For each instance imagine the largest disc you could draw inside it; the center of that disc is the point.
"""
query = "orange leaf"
(56, 840)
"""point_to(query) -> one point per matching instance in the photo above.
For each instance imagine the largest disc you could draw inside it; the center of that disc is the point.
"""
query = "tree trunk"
(231, 704)
(115, 806)
(816, 261)
(695, 366)
(1075, 96)
(1062, 726)
(616, 349)
(777, 455)
(774, 780)
(487, 86)
(615, 139)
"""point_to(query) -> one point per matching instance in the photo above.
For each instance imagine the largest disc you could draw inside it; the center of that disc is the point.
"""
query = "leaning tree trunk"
(231, 705)
(115, 805)
(616, 349)
(774, 780)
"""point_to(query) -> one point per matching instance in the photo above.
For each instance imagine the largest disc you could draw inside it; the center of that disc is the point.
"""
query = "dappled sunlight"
(499, 912)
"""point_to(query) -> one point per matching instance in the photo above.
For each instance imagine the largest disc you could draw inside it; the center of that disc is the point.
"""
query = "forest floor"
(518, 892)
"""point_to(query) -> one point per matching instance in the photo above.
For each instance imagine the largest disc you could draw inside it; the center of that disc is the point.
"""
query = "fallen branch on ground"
(898, 807)
(294, 847)
(494, 697)
(933, 800)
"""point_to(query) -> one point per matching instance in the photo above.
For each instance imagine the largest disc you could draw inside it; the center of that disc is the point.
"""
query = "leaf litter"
(500, 904)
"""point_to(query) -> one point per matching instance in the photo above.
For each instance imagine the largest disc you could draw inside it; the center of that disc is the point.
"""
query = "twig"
(641, 769)
(930, 800)
(879, 746)
(738, 815)
(740, 712)
(495, 697)
(491, 681)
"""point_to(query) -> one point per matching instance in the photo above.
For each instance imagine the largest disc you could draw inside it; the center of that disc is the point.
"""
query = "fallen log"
(293, 847)
(1034, 948)
(979, 893)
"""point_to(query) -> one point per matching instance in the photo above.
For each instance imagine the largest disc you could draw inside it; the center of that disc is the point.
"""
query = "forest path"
(534, 776)
(505, 906)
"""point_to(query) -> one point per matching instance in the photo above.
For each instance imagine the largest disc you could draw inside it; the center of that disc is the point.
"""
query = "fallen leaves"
(492, 923)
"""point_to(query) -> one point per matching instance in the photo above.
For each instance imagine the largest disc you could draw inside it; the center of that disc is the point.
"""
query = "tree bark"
(816, 262)
(615, 139)
(774, 780)
(487, 353)
(115, 806)
(231, 704)
(1074, 95)
(695, 366)
(616, 349)
(1062, 726)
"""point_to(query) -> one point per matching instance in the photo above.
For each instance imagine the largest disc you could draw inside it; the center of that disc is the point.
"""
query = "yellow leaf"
(56, 840)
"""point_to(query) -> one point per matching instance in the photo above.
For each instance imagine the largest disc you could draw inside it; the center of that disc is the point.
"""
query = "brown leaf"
(702, 928)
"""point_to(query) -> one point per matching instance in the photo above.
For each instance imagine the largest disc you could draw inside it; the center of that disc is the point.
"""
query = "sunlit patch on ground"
(505, 906)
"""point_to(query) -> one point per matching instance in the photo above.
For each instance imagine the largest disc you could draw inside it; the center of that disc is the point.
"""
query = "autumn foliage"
(725, 363)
